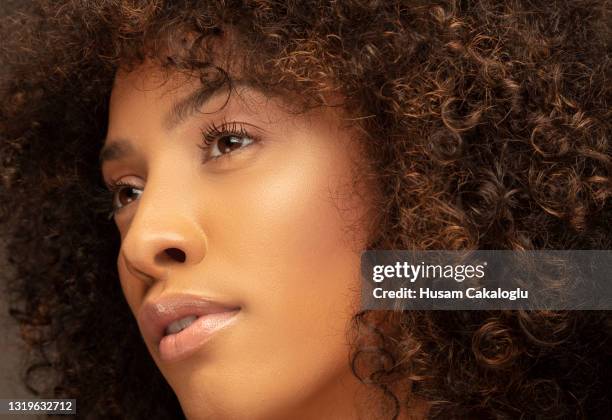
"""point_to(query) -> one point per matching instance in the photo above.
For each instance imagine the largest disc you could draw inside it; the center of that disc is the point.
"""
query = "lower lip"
(178, 346)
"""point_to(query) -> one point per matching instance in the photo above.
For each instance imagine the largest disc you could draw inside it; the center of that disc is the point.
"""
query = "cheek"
(294, 220)
(286, 237)
(279, 238)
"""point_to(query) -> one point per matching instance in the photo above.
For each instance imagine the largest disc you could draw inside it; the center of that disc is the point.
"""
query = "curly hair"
(486, 124)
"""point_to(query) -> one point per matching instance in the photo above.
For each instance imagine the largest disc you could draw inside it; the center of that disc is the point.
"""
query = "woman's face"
(239, 257)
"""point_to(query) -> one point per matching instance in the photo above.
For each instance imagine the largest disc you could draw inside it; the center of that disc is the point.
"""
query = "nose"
(159, 241)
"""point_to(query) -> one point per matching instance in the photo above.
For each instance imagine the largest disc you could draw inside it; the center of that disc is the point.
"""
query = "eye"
(124, 194)
(228, 144)
(225, 139)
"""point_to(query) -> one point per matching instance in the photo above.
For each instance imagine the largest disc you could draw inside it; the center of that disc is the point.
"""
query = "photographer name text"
(470, 293)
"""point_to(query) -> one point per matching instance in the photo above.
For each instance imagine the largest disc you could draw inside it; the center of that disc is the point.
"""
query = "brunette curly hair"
(486, 124)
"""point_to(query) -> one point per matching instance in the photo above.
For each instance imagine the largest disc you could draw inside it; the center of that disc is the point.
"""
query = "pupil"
(229, 143)
(127, 196)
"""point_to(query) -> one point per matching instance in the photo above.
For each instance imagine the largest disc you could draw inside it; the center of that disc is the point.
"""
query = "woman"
(248, 152)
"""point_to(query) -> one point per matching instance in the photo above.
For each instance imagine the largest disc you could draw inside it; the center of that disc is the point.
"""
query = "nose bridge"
(164, 233)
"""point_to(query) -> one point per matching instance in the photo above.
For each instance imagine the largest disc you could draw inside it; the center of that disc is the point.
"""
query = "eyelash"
(210, 135)
(214, 132)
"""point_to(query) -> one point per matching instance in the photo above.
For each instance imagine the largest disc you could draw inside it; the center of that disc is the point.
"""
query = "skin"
(273, 227)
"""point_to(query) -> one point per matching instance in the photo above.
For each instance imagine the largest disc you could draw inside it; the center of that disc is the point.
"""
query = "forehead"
(216, 57)
(171, 96)
(174, 95)
(150, 80)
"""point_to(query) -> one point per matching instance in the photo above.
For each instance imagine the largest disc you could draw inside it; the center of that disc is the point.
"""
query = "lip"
(154, 317)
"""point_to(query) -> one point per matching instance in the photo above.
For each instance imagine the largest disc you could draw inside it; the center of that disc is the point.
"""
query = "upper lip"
(155, 316)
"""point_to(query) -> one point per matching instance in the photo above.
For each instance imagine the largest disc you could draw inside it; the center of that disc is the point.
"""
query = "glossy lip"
(154, 317)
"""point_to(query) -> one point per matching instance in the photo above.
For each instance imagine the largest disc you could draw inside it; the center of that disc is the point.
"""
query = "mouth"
(179, 325)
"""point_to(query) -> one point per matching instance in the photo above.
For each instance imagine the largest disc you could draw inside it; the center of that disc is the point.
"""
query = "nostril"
(176, 254)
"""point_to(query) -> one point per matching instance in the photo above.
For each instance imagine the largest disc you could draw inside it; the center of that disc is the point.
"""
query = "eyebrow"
(179, 112)
(115, 150)
(190, 104)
